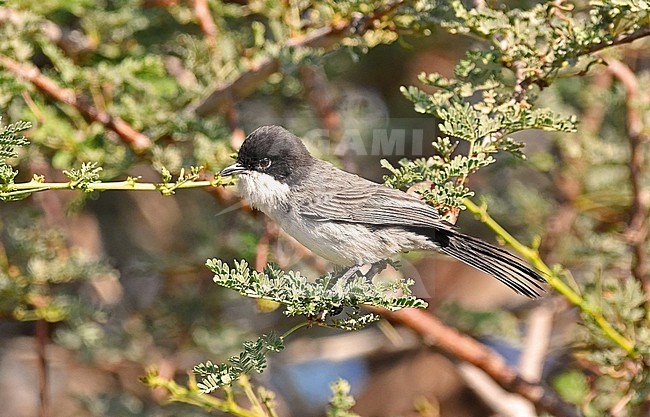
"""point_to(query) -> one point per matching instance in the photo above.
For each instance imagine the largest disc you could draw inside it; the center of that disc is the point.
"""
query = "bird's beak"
(233, 169)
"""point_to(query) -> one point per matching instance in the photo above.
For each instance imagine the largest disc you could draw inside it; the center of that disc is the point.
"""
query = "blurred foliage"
(41, 276)
(152, 64)
(9, 141)
(252, 358)
(341, 401)
(117, 68)
(595, 247)
(495, 94)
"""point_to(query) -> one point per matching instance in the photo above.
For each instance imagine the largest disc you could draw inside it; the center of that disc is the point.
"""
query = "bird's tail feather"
(492, 260)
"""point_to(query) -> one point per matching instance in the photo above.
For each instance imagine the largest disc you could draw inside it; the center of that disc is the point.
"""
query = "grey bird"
(352, 221)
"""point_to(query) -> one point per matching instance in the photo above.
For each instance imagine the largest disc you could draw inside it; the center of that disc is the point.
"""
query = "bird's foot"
(376, 268)
(351, 271)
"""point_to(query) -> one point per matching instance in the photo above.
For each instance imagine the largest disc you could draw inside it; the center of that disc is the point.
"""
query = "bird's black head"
(275, 151)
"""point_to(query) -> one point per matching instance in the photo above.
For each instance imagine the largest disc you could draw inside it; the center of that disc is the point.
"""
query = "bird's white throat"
(263, 192)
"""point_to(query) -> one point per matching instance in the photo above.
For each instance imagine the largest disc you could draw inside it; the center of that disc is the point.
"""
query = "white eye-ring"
(264, 163)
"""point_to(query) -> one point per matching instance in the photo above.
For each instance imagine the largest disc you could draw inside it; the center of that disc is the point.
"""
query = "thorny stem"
(553, 279)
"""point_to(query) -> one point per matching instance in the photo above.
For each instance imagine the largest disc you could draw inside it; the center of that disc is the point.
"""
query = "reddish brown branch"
(463, 347)
(209, 28)
(139, 142)
(568, 184)
(222, 98)
(43, 386)
(559, 224)
(238, 134)
(619, 40)
(268, 237)
(325, 38)
(637, 227)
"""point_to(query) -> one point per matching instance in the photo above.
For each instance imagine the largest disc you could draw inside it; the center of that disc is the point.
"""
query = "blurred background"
(97, 287)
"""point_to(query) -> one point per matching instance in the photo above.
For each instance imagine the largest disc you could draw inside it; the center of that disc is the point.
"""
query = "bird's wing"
(356, 200)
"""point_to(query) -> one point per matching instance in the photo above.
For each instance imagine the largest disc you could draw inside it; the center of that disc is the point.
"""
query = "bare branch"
(637, 228)
(138, 141)
(43, 380)
(224, 95)
(568, 186)
(461, 346)
(320, 100)
(620, 40)
(209, 28)
(538, 337)
(501, 401)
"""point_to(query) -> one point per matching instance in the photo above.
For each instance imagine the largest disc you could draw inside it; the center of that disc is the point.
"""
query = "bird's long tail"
(492, 260)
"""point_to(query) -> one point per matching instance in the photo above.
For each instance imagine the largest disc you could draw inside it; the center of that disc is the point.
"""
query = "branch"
(619, 40)
(193, 396)
(138, 142)
(436, 333)
(636, 231)
(43, 377)
(553, 279)
(567, 184)
(208, 27)
(324, 38)
(537, 341)
(21, 189)
(502, 402)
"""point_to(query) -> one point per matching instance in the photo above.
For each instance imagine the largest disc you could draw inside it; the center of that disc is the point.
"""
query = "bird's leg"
(375, 269)
(351, 271)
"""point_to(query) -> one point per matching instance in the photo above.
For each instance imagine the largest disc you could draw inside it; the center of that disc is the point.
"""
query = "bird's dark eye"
(264, 163)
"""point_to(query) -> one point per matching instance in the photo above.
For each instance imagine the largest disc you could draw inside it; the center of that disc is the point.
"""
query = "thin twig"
(193, 396)
(461, 346)
(567, 184)
(619, 40)
(637, 227)
(206, 22)
(537, 341)
(262, 253)
(138, 141)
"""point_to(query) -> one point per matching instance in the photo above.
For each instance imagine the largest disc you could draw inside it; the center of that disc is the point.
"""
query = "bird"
(352, 221)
